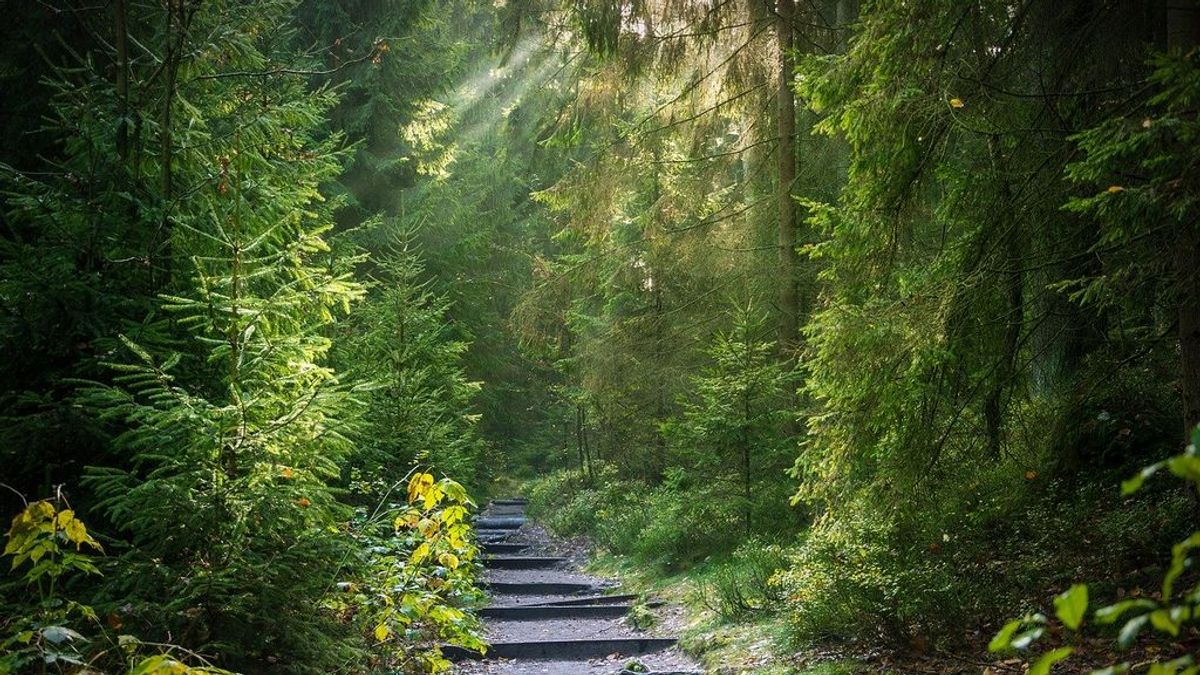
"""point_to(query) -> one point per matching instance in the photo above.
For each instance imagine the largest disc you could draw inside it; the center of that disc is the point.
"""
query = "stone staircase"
(546, 617)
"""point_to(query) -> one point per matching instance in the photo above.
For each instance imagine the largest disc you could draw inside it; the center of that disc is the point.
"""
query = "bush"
(934, 570)
(747, 583)
(670, 526)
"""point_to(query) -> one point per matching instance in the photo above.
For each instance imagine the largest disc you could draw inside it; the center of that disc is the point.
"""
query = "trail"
(547, 617)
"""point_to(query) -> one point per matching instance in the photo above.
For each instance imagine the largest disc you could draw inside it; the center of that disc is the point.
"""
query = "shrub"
(747, 583)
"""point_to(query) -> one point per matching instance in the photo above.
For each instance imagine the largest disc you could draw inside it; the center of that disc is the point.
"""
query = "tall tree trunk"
(1183, 34)
(789, 292)
(178, 17)
(1014, 284)
(747, 486)
(579, 440)
(1187, 266)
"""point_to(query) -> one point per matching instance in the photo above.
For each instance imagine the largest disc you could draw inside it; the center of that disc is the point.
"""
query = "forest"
(866, 332)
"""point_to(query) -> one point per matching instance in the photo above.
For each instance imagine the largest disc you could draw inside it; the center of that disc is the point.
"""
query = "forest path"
(548, 618)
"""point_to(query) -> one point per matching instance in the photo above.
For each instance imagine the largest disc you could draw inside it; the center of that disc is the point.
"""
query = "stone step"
(493, 536)
(499, 522)
(539, 588)
(510, 501)
(591, 600)
(542, 612)
(502, 548)
(523, 562)
(563, 649)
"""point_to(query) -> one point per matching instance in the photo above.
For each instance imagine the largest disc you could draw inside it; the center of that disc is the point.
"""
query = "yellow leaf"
(418, 485)
(432, 496)
(76, 532)
(452, 514)
(956, 103)
(1114, 189)
(448, 560)
(427, 527)
(420, 553)
(382, 632)
(43, 510)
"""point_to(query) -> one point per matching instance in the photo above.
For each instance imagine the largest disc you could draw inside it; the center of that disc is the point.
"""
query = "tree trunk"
(1014, 284)
(747, 487)
(579, 440)
(1187, 266)
(789, 292)
(178, 18)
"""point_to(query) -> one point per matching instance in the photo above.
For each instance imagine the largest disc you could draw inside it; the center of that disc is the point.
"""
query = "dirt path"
(547, 617)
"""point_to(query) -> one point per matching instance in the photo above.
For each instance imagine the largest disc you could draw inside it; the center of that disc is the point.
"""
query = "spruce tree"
(419, 409)
(232, 426)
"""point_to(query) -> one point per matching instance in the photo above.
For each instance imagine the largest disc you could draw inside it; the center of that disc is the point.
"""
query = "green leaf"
(1024, 640)
(1003, 639)
(1071, 606)
(1186, 467)
(1163, 621)
(59, 634)
(1179, 561)
(1046, 661)
(1110, 614)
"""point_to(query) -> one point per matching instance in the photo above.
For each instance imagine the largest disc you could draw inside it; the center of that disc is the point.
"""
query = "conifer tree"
(231, 425)
(730, 429)
(419, 407)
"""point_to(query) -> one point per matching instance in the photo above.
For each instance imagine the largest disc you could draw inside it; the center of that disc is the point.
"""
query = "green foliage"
(747, 583)
(419, 409)
(40, 538)
(47, 542)
(670, 526)
(732, 421)
(417, 574)
(170, 270)
(235, 436)
(211, 289)
(1144, 180)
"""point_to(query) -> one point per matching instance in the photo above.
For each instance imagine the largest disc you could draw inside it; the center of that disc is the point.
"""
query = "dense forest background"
(856, 312)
